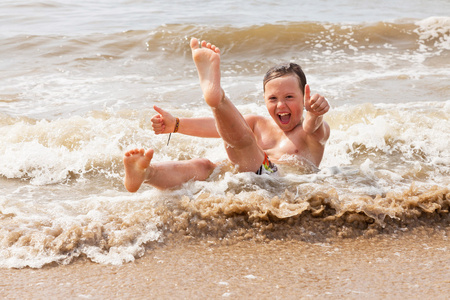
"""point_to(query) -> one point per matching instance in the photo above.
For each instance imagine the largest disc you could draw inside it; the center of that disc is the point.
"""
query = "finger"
(323, 108)
(307, 97)
(159, 110)
(158, 127)
(315, 101)
(320, 112)
(317, 107)
(312, 104)
(159, 130)
(156, 118)
(324, 105)
(307, 93)
(327, 107)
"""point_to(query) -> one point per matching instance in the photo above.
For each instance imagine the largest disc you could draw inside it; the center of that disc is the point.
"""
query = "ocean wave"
(34, 235)
(64, 198)
(313, 212)
(271, 39)
(119, 230)
(429, 34)
(405, 139)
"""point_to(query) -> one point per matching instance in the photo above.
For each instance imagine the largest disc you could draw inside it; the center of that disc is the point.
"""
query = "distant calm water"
(77, 86)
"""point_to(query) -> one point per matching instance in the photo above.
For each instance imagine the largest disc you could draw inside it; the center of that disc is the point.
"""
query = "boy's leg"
(163, 175)
(240, 141)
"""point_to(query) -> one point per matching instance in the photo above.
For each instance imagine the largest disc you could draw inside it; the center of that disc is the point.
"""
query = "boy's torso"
(278, 144)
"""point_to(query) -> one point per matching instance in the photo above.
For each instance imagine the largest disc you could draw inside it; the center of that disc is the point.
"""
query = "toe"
(194, 43)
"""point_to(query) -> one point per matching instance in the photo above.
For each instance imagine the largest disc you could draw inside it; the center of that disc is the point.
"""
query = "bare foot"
(207, 61)
(136, 164)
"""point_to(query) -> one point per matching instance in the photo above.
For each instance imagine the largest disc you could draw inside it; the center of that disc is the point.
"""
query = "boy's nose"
(281, 104)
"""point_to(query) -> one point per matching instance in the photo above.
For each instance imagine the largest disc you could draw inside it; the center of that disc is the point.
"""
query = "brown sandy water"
(413, 265)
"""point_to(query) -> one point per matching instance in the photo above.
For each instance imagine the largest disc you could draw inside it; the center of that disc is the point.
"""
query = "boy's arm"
(313, 124)
(164, 122)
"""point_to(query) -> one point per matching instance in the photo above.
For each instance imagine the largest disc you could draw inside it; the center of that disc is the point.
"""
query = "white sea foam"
(110, 229)
(435, 28)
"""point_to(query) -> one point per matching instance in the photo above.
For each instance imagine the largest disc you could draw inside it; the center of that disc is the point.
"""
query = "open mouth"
(284, 118)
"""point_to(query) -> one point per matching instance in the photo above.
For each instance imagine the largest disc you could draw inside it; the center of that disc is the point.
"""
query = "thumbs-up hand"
(315, 104)
(163, 122)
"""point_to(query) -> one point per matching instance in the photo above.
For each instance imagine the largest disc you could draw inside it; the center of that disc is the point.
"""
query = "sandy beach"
(415, 265)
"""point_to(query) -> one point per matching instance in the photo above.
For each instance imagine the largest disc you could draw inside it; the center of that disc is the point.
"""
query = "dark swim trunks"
(267, 167)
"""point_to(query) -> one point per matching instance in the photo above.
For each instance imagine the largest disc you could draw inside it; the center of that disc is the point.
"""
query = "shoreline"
(409, 266)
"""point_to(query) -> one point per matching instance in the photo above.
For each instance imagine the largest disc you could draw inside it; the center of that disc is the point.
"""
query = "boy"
(249, 141)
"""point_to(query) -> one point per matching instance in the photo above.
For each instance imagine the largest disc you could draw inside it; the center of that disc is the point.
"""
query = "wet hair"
(286, 69)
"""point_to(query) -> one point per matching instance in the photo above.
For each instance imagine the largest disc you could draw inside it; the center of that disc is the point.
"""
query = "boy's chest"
(277, 145)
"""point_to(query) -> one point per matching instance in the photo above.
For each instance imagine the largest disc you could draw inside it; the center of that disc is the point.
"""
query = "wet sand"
(409, 266)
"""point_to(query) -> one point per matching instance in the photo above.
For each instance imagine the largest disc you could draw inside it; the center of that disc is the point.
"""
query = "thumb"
(307, 97)
(161, 111)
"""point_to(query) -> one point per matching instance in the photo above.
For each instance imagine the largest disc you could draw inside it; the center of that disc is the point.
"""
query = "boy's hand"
(163, 122)
(315, 104)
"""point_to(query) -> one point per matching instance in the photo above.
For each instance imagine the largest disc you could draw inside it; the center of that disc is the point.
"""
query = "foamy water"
(76, 93)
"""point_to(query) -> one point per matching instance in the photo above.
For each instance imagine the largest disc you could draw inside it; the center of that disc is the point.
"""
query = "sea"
(78, 81)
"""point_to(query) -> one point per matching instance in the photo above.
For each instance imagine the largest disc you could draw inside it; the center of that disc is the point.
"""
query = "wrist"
(177, 125)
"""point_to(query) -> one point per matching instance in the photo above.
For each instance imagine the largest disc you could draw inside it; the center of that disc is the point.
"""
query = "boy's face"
(284, 101)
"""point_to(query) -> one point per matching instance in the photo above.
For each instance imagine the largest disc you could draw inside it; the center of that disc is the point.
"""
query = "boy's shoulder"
(257, 120)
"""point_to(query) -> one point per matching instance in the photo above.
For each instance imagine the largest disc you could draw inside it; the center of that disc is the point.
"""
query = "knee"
(204, 165)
